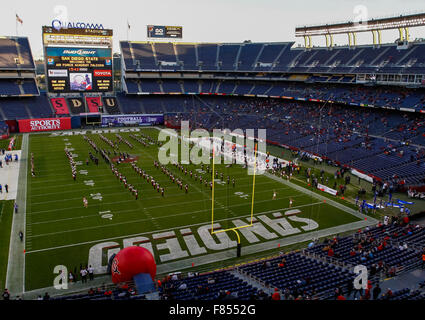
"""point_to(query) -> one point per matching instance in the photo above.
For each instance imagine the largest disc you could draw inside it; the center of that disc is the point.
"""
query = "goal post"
(234, 229)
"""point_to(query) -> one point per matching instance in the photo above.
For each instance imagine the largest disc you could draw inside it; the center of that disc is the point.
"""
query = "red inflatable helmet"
(131, 261)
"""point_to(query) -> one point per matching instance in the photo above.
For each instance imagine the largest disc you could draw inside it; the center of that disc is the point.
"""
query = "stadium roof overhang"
(415, 20)
(402, 22)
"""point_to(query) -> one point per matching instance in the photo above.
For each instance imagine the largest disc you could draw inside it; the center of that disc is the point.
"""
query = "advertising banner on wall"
(45, 124)
(132, 119)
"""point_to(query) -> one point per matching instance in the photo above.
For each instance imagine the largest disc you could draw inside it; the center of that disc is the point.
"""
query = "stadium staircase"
(2, 115)
(28, 111)
(252, 280)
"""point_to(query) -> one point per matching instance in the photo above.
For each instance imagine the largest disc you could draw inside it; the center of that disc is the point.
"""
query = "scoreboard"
(165, 31)
(78, 60)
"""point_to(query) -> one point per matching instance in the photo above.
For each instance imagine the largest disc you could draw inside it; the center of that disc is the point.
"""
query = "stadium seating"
(348, 94)
(308, 274)
(387, 58)
(15, 53)
(300, 274)
(9, 88)
(288, 124)
(375, 247)
(198, 288)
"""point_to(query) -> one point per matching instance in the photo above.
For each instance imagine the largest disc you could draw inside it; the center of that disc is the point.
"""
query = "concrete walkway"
(73, 288)
(408, 280)
(15, 277)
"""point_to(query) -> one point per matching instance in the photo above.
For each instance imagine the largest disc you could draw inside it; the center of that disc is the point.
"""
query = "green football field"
(60, 231)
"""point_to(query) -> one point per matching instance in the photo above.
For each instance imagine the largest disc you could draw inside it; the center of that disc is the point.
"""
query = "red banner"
(93, 103)
(45, 124)
(60, 106)
(102, 73)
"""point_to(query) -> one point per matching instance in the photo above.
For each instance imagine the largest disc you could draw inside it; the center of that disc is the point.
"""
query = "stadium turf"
(60, 231)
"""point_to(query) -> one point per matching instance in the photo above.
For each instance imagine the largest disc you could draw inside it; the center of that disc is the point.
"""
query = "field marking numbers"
(242, 195)
(96, 196)
(218, 181)
(89, 183)
(106, 214)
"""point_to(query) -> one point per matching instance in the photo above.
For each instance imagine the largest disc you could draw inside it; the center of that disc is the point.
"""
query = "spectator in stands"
(340, 297)
(423, 260)
(231, 295)
(220, 296)
(376, 291)
(387, 295)
(282, 263)
(107, 293)
(262, 295)
(183, 286)
(201, 290)
(276, 294)
(358, 291)
(6, 294)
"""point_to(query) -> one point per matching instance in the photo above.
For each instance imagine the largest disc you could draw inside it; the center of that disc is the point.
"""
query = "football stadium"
(154, 167)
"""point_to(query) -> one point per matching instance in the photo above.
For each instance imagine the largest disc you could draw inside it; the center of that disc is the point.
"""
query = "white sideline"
(15, 274)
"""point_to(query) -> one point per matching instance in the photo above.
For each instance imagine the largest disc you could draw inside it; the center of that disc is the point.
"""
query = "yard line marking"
(132, 211)
(158, 231)
(151, 207)
(45, 182)
(125, 211)
(122, 223)
(120, 193)
(55, 186)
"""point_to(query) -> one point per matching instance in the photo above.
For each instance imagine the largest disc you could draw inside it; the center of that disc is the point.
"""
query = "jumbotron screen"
(78, 60)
